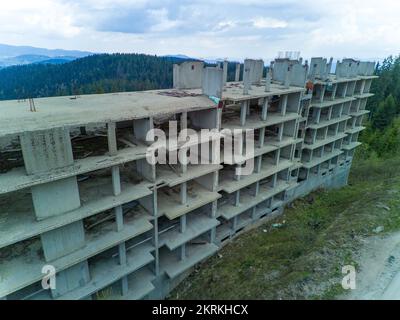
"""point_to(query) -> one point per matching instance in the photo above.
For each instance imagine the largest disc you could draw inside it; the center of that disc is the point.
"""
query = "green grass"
(303, 259)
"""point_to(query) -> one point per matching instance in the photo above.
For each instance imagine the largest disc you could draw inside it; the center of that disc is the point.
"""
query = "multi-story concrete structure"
(115, 226)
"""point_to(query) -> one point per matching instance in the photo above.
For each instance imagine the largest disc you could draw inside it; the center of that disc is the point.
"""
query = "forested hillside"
(382, 136)
(93, 74)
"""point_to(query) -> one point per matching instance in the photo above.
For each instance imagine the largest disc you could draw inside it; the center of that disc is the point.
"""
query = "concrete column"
(225, 72)
(182, 252)
(334, 91)
(237, 198)
(234, 223)
(243, 112)
(274, 180)
(264, 111)
(183, 193)
(268, 80)
(154, 210)
(318, 115)
(322, 93)
(182, 224)
(258, 163)
(283, 104)
(140, 129)
(345, 90)
(44, 151)
(330, 112)
(277, 156)
(237, 72)
(116, 182)
(257, 189)
(280, 136)
(254, 213)
(246, 80)
(262, 137)
(212, 83)
(70, 279)
(286, 83)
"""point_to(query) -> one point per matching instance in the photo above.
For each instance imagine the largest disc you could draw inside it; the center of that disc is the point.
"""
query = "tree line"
(382, 136)
(99, 73)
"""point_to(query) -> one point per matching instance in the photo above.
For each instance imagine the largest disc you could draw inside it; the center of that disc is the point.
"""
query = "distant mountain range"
(21, 55)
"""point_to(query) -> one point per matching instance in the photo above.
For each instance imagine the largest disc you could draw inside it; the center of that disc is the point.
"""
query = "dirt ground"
(379, 264)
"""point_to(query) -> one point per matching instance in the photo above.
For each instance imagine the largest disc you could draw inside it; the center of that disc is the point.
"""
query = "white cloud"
(226, 28)
(265, 23)
(162, 22)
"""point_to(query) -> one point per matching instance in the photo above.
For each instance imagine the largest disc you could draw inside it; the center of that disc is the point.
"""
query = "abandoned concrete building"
(77, 193)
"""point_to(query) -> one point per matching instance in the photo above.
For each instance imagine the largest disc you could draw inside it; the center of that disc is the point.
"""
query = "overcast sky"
(207, 28)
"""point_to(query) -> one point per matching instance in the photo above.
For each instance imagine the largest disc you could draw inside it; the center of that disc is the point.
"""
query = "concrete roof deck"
(68, 111)
(233, 91)
(248, 200)
(333, 79)
(173, 266)
(254, 121)
(270, 145)
(197, 196)
(229, 184)
(355, 129)
(318, 143)
(364, 95)
(172, 178)
(17, 178)
(326, 123)
(359, 113)
(197, 224)
(351, 145)
(328, 103)
(75, 111)
(318, 160)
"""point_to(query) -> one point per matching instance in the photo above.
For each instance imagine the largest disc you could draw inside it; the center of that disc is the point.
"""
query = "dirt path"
(379, 261)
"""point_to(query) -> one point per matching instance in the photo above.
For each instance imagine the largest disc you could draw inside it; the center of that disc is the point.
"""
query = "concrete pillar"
(286, 84)
(237, 72)
(258, 164)
(116, 182)
(243, 112)
(257, 189)
(334, 91)
(70, 279)
(322, 93)
(182, 252)
(44, 151)
(62, 241)
(246, 80)
(154, 210)
(283, 104)
(225, 72)
(261, 138)
(140, 129)
(182, 226)
(183, 194)
(268, 79)
(264, 111)
(213, 82)
(237, 198)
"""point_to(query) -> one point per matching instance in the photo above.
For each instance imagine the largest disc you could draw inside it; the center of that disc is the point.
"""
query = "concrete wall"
(188, 75)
